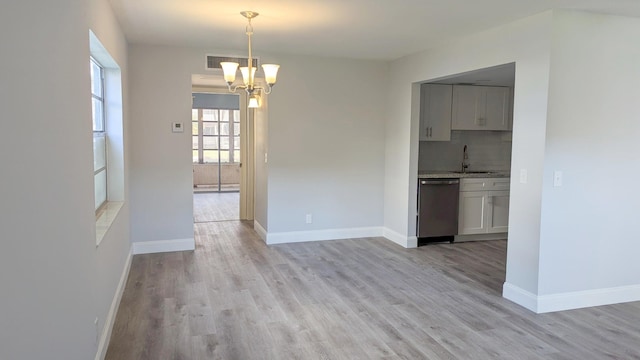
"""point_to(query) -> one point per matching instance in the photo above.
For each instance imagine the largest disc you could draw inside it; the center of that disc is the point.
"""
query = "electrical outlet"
(557, 178)
(309, 219)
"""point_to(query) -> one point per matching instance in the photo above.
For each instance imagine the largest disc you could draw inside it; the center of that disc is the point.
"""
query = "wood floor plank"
(236, 298)
(216, 206)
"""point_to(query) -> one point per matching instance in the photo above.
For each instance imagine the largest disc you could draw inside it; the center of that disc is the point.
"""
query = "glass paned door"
(216, 142)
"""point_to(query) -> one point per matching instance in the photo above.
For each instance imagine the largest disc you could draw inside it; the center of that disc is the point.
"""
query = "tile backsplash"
(487, 150)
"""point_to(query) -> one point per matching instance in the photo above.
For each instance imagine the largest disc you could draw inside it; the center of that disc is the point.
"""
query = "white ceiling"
(363, 29)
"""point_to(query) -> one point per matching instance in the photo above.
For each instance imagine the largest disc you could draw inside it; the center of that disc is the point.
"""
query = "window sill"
(107, 217)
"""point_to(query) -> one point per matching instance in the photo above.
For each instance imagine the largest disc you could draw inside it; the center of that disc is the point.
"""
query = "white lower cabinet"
(484, 206)
(498, 219)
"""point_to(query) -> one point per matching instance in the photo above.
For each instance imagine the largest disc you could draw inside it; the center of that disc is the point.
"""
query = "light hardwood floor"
(236, 298)
(214, 206)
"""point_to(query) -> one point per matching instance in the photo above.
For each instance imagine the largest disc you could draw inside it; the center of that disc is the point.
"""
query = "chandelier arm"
(266, 90)
(234, 89)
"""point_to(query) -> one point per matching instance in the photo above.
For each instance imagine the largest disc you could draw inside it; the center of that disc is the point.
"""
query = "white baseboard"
(107, 328)
(520, 296)
(588, 298)
(334, 234)
(151, 247)
(319, 235)
(570, 300)
(412, 242)
(408, 242)
(260, 230)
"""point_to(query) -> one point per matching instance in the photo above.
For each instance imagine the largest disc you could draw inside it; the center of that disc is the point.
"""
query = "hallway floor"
(214, 206)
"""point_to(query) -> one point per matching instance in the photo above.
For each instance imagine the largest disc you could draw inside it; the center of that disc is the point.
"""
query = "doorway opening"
(223, 151)
(215, 126)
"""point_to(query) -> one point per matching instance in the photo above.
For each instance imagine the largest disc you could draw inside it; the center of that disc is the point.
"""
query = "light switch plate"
(176, 127)
(523, 176)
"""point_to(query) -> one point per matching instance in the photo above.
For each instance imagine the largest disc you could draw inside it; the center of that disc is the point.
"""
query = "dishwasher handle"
(440, 182)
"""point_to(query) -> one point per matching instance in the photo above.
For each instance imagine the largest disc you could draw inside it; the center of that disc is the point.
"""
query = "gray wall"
(588, 237)
(322, 137)
(161, 161)
(326, 152)
(54, 280)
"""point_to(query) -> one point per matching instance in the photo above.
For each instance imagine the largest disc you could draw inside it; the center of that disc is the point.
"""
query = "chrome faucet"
(465, 159)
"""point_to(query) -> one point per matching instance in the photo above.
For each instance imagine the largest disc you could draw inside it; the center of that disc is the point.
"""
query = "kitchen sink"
(472, 172)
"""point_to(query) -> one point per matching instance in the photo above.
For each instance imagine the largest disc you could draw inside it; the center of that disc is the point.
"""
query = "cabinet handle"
(430, 131)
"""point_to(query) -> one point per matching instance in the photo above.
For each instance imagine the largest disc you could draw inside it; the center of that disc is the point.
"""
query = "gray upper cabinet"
(480, 108)
(435, 112)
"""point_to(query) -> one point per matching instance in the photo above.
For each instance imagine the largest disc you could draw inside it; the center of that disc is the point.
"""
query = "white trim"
(319, 235)
(402, 240)
(107, 328)
(412, 242)
(570, 300)
(106, 218)
(151, 247)
(588, 298)
(260, 230)
(520, 296)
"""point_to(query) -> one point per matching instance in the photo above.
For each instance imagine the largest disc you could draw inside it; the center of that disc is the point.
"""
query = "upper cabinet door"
(496, 100)
(435, 112)
(480, 108)
(467, 108)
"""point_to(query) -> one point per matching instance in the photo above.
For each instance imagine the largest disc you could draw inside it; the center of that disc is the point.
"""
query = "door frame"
(247, 149)
(247, 159)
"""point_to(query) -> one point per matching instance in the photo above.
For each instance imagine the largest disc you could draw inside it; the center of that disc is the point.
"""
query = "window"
(216, 135)
(108, 136)
(99, 134)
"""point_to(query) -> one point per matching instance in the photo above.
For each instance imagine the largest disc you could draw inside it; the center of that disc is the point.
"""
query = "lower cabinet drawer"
(484, 184)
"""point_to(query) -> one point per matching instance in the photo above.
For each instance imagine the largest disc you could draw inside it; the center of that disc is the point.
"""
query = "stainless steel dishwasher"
(437, 209)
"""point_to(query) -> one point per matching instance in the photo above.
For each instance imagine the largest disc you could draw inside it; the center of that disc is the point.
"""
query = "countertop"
(458, 175)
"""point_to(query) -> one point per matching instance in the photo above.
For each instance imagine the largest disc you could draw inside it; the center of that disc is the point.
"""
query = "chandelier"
(248, 72)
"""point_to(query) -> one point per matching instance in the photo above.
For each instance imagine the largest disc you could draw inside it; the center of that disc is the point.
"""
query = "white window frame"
(99, 133)
(233, 120)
